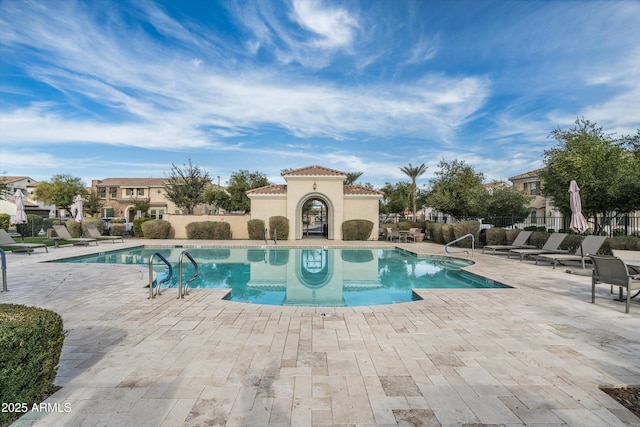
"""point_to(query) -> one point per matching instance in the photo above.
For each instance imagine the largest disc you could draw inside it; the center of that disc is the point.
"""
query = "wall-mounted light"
(315, 185)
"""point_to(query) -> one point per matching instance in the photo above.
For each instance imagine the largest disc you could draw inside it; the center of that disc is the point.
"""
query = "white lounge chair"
(7, 241)
(551, 246)
(589, 246)
(518, 243)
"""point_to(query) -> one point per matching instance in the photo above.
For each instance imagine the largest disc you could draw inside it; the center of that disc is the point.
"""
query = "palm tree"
(352, 177)
(414, 172)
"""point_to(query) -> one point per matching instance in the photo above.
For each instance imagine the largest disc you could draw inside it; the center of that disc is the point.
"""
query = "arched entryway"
(314, 217)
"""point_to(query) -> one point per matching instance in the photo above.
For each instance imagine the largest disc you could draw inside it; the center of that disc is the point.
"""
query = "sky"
(110, 89)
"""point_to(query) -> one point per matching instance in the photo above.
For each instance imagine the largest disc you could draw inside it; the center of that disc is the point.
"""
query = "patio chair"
(94, 233)
(613, 271)
(7, 241)
(589, 246)
(63, 234)
(518, 243)
(551, 246)
(630, 258)
(412, 235)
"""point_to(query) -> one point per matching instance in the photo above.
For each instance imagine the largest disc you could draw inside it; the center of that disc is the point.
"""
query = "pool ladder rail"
(181, 292)
(473, 245)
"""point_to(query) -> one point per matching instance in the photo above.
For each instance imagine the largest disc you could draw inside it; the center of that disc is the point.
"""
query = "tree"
(93, 203)
(606, 171)
(507, 201)
(457, 190)
(352, 177)
(61, 191)
(142, 205)
(234, 198)
(414, 172)
(185, 187)
(396, 197)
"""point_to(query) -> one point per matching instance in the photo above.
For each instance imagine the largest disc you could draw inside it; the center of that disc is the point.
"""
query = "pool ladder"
(473, 245)
(181, 292)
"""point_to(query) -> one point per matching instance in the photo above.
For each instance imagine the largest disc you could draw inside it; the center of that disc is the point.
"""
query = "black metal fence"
(621, 225)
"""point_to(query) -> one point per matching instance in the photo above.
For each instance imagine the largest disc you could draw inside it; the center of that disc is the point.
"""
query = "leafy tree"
(92, 203)
(185, 187)
(607, 173)
(352, 177)
(4, 188)
(61, 191)
(234, 198)
(142, 205)
(414, 172)
(507, 201)
(396, 197)
(457, 190)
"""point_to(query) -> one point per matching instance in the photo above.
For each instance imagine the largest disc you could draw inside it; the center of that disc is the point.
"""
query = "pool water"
(307, 276)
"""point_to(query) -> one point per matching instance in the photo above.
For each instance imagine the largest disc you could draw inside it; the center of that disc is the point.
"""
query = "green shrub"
(156, 229)
(201, 230)
(538, 238)
(628, 243)
(137, 226)
(511, 235)
(436, 233)
(357, 229)
(281, 225)
(96, 222)
(117, 229)
(75, 228)
(462, 229)
(255, 227)
(30, 344)
(221, 231)
(447, 233)
(5, 221)
(496, 236)
(404, 225)
(31, 228)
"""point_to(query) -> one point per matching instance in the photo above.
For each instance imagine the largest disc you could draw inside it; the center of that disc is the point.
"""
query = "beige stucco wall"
(363, 207)
(265, 206)
(238, 223)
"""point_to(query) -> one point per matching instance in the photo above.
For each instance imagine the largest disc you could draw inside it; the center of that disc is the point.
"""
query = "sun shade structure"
(21, 215)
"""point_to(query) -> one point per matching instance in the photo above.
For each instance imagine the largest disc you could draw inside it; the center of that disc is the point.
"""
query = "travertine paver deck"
(532, 355)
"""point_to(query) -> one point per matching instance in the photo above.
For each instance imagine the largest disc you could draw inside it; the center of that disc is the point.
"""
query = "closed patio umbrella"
(21, 215)
(79, 210)
(578, 221)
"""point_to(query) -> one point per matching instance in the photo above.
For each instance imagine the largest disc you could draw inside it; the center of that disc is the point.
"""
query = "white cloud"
(334, 26)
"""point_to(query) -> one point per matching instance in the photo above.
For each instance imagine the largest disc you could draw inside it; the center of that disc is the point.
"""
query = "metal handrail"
(4, 271)
(473, 244)
(275, 236)
(166, 279)
(181, 294)
(266, 236)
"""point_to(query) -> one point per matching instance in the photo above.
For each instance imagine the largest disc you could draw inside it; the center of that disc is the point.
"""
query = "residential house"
(32, 207)
(119, 194)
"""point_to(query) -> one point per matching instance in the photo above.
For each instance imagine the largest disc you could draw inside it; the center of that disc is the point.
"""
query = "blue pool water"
(307, 276)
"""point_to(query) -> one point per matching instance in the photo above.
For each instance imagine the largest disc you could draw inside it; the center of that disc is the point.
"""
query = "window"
(140, 191)
(108, 212)
(103, 192)
(160, 213)
(534, 217)
(157, 214)
(129, 191)
(534, 188)
(113, 192)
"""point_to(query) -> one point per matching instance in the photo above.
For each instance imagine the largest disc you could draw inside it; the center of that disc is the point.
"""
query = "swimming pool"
(307, 276)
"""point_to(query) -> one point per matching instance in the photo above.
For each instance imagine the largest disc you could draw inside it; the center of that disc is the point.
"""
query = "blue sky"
(99, 89)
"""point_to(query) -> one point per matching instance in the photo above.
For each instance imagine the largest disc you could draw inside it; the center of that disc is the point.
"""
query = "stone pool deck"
(532, 355)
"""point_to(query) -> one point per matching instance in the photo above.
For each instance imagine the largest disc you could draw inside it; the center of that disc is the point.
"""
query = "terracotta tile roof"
(131, 182)
(314, 170)
(360, 190)
(269, 189)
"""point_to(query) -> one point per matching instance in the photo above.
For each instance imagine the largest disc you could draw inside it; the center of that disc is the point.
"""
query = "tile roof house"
(321, 185)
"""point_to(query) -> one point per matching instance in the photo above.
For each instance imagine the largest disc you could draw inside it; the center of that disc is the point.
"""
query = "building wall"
(237, 222)
(363, 207)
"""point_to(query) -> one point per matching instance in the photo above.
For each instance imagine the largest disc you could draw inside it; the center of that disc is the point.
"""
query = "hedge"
(137, 226)
(255, 227)
(5, 221)
(357, 229)
(156, 229)
(31, 340)
(281, 225)
(208, 230)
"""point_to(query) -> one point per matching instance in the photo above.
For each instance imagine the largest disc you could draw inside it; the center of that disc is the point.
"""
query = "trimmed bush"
(357, 229)
(201, 230)
(511, 235)
(30, 344)
(462, 229)
(221, 231)
(75, 228)
(156, 229)
(447, 233)
(5, 221)
(281, 225)
(117, 229)
(538, 238)
(137, 226)
(255, 227)
(436, 233)
(496, 236)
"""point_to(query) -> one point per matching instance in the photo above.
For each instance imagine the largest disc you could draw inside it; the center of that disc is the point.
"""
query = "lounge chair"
(551, 246)
(94, 233)
(630, 258)
(590, 246)
(613, 271)
(518, 243)
(7, 241)
(63, 234)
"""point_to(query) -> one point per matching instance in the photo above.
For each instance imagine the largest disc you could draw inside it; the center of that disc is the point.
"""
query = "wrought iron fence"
(621, 225)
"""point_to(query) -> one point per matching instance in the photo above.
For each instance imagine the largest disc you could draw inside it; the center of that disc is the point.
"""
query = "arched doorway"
(314, 218)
